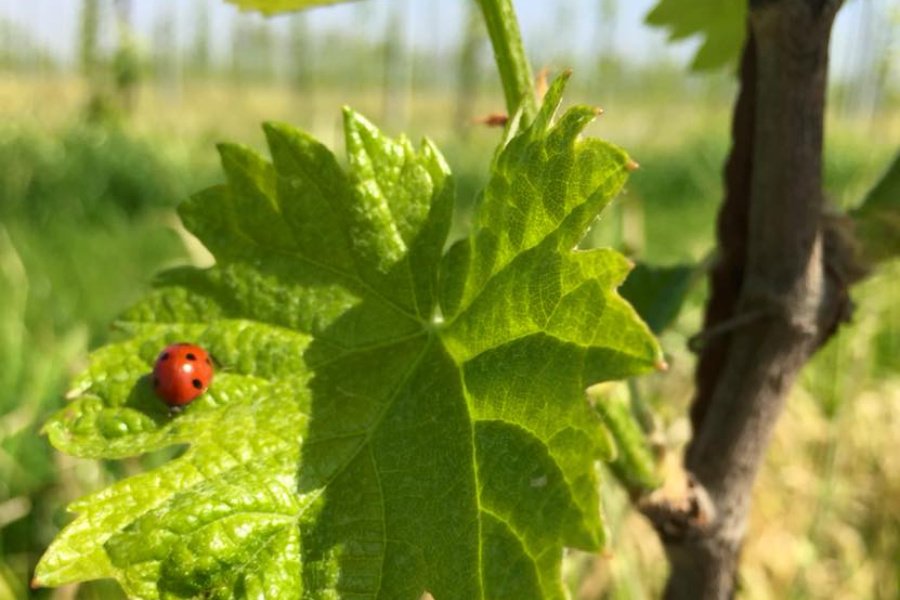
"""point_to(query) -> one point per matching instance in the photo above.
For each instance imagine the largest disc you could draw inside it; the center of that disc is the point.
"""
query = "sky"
(436, 25)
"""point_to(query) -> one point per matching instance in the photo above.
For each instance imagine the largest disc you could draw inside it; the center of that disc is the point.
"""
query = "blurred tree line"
(116, 61)
(182, 45)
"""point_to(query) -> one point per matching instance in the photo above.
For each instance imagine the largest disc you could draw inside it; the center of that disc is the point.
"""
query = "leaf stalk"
(509, 52)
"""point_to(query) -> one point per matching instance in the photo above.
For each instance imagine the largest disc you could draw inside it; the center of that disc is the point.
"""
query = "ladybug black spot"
(190, 356)
(165, 356)
(197, 384)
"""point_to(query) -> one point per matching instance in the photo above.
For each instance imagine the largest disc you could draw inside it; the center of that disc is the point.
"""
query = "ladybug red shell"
(182, 373)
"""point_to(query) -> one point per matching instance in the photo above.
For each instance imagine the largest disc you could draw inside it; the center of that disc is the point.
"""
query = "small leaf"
(272, 7)
(877, 219)
(388, 418)
(721, 24)
(658, 293)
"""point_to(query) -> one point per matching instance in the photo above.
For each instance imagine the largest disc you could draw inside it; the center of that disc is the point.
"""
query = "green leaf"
(877, 219)
(388, 418)
(721, 25)
(272, 7)
(634, 464)
(658, 293)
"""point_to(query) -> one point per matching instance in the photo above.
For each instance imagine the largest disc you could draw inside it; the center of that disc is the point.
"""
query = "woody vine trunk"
(775, 297)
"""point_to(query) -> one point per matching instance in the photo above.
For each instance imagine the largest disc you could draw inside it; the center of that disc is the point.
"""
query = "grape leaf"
(657, 293)
(271, 7)
(720, 23)
(877, 219)
(389, 418)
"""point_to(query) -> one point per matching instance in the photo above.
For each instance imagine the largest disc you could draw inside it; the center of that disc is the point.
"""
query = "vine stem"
(515, 72)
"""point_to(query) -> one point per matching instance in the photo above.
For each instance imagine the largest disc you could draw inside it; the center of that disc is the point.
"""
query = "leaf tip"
(598, 110)
(353, 120)
(275, 129)
(270, 130)
(632, 165)
(661, 365)
(229, 154)
(552, 100)
(359, 131)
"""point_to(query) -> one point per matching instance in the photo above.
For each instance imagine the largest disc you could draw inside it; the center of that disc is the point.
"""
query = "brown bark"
(727, 273)
(773, 301)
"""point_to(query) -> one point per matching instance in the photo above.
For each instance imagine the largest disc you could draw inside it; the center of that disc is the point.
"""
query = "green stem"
(515, 72)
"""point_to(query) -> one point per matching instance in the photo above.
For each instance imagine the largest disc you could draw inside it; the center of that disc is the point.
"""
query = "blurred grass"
(86, 219)
(84, 224)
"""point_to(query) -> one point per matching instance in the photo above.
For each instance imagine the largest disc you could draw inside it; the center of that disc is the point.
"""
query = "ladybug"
(182, 372)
